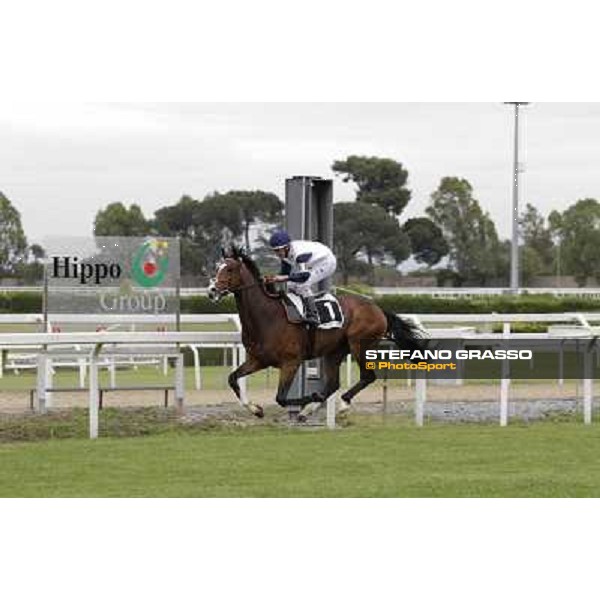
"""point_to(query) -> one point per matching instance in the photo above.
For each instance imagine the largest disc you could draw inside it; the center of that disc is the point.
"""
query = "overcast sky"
(60, 163)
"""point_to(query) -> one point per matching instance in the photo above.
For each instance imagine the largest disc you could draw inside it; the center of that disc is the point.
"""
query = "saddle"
(328, 308)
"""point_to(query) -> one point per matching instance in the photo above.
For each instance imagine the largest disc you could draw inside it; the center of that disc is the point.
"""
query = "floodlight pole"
(514, 254)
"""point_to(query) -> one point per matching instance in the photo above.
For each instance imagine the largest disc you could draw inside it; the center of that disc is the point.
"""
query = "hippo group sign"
(113, 275)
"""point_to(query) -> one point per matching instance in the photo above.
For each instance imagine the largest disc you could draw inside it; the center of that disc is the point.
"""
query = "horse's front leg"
(252, 365)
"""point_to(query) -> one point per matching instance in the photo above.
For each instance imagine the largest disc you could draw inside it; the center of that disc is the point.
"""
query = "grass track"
(366, 459)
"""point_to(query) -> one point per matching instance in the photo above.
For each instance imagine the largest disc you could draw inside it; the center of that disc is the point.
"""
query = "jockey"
(303, 265)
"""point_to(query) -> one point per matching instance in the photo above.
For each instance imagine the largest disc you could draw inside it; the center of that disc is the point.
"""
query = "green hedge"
(31, 302)
(488, 304)
(197, 305)
(20, 302)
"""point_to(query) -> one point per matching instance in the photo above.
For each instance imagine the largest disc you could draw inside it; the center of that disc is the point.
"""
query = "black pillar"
(309, 216)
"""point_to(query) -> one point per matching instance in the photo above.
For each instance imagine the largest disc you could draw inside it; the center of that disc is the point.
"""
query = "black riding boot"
(312, 315)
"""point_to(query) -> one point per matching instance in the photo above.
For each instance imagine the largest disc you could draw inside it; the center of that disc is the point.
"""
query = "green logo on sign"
(150, 263)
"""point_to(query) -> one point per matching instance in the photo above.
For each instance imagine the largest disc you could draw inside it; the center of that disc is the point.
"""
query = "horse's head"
(231, 275)
(228, 278)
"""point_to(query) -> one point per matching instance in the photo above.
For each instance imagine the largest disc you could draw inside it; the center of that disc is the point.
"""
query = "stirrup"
(311, 317)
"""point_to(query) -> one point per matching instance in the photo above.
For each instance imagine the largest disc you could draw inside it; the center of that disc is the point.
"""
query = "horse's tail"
(406, 335)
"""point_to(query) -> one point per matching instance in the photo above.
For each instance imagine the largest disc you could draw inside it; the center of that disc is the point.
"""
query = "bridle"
(215, 294)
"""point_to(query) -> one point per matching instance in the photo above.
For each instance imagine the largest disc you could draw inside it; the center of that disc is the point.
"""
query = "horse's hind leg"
(367, 377)
(331, 372)
(286, 376)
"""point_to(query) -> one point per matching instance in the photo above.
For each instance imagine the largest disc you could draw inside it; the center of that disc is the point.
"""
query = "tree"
(37, 252)
(254, 207)
(31, 272)
(380, 181)
(117, 220)
(13, 243)
(366, 229)
(578, 229)
(179, 219)
(426, 240)
(476, 253)
(555, 227)
(196, 226)
(531, 264)
(537, 241)
(218, 220)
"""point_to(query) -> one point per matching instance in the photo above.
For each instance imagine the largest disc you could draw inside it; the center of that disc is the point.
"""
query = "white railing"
(93, 344)
(112, 322)
(578, 318)
(442, 292)
(114, 319)
(569, 325)
(437, 292)
(198, 291)
(581, 318)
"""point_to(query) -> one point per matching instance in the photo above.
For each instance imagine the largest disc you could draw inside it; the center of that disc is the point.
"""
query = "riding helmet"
(280, 239)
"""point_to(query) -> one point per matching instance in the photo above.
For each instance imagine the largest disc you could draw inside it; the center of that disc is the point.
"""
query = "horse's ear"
(223, 255)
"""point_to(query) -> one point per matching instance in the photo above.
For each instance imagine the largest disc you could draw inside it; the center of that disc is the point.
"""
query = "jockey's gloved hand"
(275, 278)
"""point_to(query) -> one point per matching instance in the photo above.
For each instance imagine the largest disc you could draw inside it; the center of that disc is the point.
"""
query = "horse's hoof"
(258, 412)
(301, 418)
(344, 407)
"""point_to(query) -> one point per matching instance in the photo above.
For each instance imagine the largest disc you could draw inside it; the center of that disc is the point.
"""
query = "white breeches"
(318, 272)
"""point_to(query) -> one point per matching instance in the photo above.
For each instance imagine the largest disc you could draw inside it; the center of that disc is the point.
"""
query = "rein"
(255, 284)
(245, 287)
(258, 281)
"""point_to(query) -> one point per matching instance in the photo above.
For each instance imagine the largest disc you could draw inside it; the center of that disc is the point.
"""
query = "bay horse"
(272, 341)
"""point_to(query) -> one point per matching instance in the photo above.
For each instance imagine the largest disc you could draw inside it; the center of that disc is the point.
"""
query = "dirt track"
(19, 401)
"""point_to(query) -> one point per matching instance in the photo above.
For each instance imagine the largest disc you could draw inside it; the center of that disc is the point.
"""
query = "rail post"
(179, 383)
(41, 380)
(94, 393)
(504, 391)
(420, 399)
(588, 392)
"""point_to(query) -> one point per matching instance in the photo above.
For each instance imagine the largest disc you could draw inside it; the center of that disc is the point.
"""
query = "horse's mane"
(248, 262)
